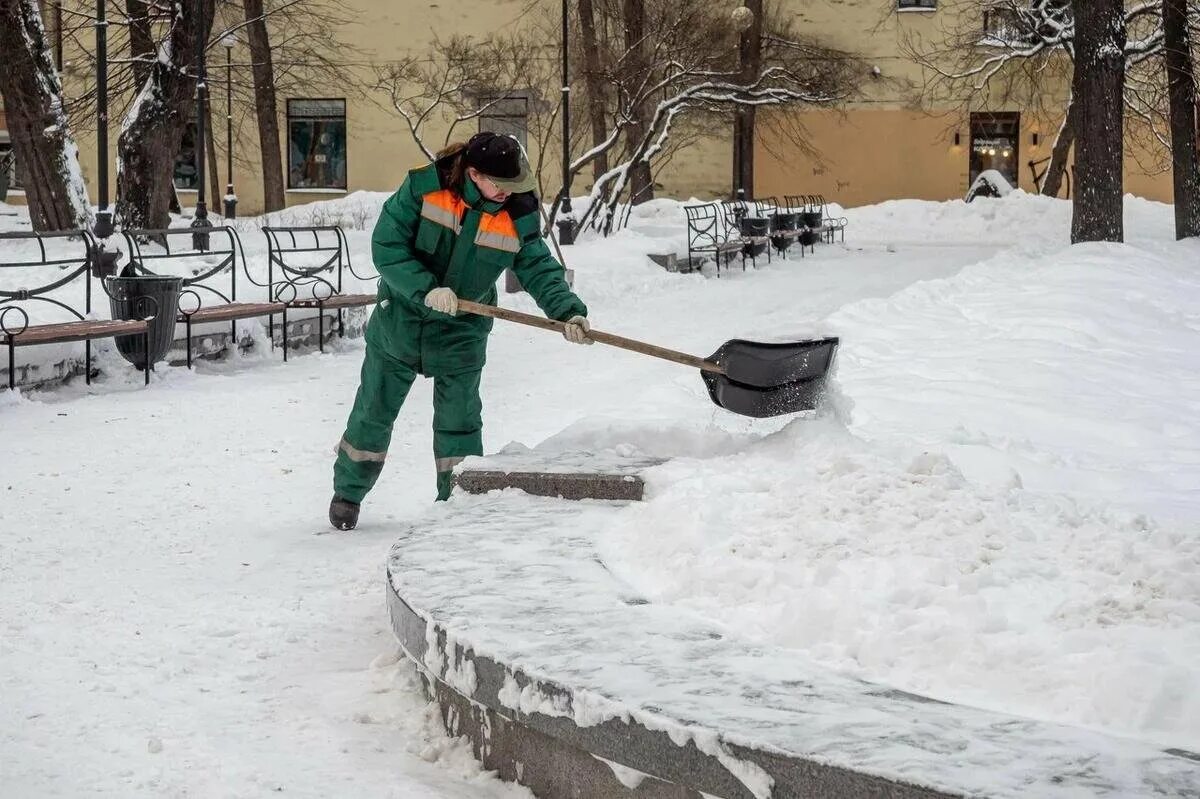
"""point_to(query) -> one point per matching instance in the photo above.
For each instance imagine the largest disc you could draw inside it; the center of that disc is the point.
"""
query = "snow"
(991, 182)
(999, 506)
(520, 581)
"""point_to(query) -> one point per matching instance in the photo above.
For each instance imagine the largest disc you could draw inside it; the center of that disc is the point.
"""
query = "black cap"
(501, 158)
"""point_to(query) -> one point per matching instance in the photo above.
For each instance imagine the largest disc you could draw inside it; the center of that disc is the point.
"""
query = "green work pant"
(383, 387)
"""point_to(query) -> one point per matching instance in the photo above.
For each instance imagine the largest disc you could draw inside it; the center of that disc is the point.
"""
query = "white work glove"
(442, 300)
(577, 329)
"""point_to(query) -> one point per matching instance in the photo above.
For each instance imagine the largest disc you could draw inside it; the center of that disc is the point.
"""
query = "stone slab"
(506, 605)
(554, 484)
(567, 473)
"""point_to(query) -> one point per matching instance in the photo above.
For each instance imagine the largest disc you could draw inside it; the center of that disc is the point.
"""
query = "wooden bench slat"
(236, 310)
(65, 332)
(338, 301)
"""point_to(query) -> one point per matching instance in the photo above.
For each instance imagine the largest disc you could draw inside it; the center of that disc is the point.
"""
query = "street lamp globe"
(742, 18)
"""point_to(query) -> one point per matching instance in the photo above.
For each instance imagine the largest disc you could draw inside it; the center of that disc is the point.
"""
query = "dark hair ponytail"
(458, 167)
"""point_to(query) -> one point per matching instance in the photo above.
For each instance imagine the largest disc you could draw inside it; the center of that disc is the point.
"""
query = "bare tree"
(37, 121)
(265, 106)
(694, 75)
(774, 86)
(681, 76)
(638, 68)
(1005, 51)
(593, 80)
(154, 125)
(1060, 153)
(461, 80)
(1181, 82)
(1098, 88)
(292, 43)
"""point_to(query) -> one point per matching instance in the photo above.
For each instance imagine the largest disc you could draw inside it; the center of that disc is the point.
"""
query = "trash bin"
(136, 297)
(783, 229)
(755, 230)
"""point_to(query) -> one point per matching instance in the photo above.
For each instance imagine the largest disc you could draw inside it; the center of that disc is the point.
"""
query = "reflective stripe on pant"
(383, 387)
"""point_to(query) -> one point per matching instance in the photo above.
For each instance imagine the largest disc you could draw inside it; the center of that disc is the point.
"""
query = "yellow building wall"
(870, 155)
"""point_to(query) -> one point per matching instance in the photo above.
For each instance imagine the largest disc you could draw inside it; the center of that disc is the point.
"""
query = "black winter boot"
(343, 514)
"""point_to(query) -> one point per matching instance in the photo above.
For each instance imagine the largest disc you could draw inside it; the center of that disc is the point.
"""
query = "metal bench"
(784, 224)
(707, 234)
(751, 231)
(810, 220)
(831, 224)
(305, 268)
(207, 266)
(15, 328)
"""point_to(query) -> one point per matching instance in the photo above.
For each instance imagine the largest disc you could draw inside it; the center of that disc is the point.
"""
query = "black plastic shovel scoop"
(746, 377)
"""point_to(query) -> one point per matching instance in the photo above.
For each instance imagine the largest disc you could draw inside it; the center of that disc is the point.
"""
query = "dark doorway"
(995, 141)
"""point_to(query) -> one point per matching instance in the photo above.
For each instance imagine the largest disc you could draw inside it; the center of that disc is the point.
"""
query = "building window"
(316, 144)
(995, 144)
(916, 5)
(505, 113)
(187, 169)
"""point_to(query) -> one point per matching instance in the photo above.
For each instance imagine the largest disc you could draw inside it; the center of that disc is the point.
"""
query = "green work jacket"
(429, 236)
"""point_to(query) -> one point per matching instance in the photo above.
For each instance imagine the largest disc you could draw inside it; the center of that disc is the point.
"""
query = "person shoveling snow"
(450, 231)
(440, 245)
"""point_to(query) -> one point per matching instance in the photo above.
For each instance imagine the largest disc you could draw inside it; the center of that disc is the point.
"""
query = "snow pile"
(990, 183)
(1028, 223)
(1078, 371)
(1012, 519)
(356, 211)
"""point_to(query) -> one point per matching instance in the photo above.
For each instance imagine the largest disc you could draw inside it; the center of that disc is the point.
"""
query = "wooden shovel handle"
(595, 335)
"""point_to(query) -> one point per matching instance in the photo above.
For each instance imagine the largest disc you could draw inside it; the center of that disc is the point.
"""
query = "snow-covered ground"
(1001, 506)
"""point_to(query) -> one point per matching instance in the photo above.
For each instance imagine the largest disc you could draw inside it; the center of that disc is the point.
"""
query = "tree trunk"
(265, 105)
(595, 85)
(141, 40)
(37, 124)
(1052, 180)
(1098, 88)
(641, 181)
(750, 63)
(154, 126)
(1181, 89)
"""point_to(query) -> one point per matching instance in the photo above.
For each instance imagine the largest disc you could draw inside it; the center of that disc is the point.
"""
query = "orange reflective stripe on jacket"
(496, 231)
(445, 208)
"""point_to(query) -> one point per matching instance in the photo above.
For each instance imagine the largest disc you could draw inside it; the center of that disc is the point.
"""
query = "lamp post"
(566, 222)
(103, 227)
(230, 198)
(200, 223)
(743, 19)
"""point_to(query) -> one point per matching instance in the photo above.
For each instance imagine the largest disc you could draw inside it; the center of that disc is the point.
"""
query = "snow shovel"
(750, 378)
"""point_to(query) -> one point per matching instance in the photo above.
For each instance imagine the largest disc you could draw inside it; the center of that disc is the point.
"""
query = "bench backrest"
(705, 226)
(306, 262)
(766, 207)
(170, 252)
(51, 261)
